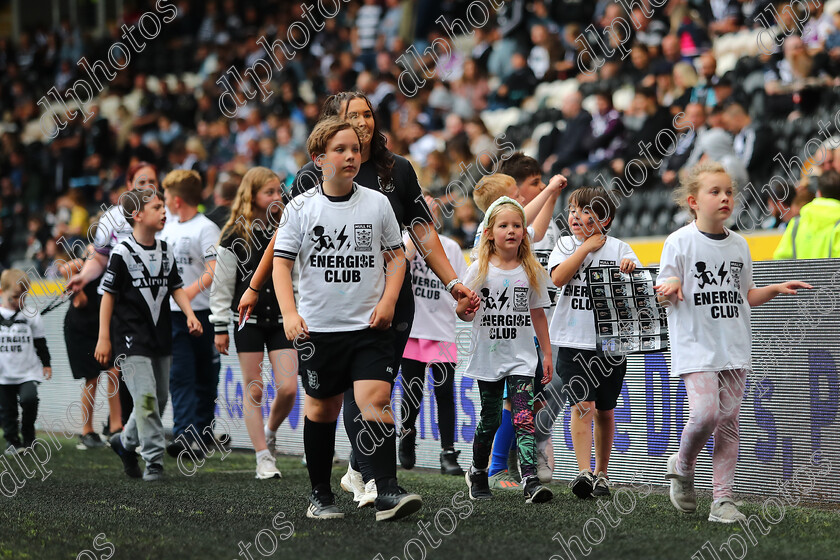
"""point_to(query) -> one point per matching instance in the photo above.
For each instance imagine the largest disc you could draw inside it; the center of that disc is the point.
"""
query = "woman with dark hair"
(394, 176)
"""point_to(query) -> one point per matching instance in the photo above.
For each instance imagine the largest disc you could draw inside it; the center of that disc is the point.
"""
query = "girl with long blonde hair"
(514, 291)
(254, 216)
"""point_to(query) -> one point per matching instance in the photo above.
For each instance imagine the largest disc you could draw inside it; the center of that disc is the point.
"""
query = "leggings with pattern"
(714, 401)
(521, 394)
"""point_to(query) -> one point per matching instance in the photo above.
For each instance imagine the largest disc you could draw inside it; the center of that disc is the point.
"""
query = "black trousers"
(413, 383)
(27, 395)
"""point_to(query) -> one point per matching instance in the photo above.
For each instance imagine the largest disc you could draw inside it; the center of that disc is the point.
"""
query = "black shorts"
(340, 358)
(80, 349)
(256, 338)
(587, 377)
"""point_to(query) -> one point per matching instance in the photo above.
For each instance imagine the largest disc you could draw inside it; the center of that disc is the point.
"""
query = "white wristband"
(452, 284)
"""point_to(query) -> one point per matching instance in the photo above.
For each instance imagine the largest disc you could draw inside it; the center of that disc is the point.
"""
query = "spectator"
(560, 151)
(704, 91)
(518, 85)
(792, 83)
(695, 115)
(605, 137)
(815, 234)
(223, 195)
(779, 202)
(754, 144)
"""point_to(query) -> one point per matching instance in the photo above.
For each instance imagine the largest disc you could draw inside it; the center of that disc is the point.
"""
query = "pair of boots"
(448, 457)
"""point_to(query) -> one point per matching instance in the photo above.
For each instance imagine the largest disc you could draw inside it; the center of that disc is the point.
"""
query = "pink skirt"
(427, 351)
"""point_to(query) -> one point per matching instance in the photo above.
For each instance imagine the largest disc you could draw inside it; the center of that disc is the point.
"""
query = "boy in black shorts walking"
(350, 254)
(140, 277)
(590, 382)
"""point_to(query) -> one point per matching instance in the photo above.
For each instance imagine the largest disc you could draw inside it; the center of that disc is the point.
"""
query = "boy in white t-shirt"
(194, 373)
(24, 361)
(590, 382)
(347, 242)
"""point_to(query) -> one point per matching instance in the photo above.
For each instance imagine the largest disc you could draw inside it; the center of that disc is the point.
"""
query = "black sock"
(352, 428)
(383, 458)
(319, 444)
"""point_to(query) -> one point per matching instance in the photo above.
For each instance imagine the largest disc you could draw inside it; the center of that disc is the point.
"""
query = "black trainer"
(478, 484)
(322, 506)
(91, 441)
(407, 444)
(535, 492)
(128, 458)
(449, 462)
(601, 486)
(396, 503)
(154, 471)
(582, 484)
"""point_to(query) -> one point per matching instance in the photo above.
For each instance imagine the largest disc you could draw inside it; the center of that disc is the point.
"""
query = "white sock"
(474, 470)
(269, 432)
(263, 453)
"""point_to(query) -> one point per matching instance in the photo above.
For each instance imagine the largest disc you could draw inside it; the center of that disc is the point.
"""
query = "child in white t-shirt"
(706, 275)
(586, 380)
(347, 243)
(24, 360)
(194, 373)
(513, 290)
(431, 345)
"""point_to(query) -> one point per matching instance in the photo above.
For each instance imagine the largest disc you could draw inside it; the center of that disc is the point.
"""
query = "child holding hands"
(706, 276)
(514, 293)
(140, 277)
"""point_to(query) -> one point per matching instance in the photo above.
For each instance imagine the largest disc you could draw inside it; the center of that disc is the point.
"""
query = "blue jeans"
(194, 376)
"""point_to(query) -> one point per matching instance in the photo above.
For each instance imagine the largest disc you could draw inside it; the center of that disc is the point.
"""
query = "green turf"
(207, 515)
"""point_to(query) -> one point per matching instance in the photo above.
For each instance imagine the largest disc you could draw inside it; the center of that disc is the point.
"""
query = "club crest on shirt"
(364, 237)
(312, 379)
(520, 299)
(735, 272)
(385, 188)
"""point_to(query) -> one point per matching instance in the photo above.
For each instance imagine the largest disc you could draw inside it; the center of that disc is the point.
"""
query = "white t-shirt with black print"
(502, 335)
(194, 244)
(434, 307)
(19, 362)
(542, 250)
(141, 278)
(340, 244)
(710, 329)
(573, 323)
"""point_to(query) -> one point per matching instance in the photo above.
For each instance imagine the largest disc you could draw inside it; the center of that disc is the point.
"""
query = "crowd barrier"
(789, 417)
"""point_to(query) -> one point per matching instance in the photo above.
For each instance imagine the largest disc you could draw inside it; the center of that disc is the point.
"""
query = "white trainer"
(724, 511)
(543, 470)
(682, 492)
(267, 468)
(271, 441)
(370, 494)
(352, 482)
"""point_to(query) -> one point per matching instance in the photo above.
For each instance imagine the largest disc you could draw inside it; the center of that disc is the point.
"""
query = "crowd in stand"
(164, 107)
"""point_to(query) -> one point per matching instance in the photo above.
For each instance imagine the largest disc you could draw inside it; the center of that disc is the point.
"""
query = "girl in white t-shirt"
(514, 291)
(431, 345)
(706, 276)
(24, 360)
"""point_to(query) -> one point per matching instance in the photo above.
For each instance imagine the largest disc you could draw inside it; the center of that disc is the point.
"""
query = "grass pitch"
(87, 509)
